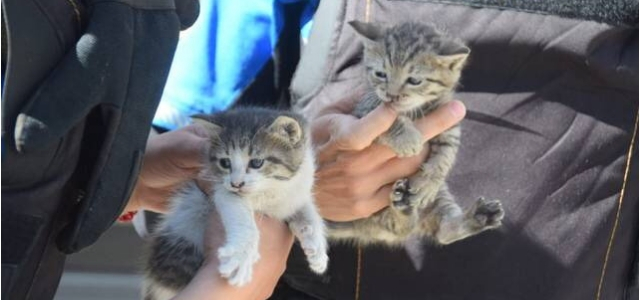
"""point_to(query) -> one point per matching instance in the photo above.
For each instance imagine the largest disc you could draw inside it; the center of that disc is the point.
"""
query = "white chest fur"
(284, 198)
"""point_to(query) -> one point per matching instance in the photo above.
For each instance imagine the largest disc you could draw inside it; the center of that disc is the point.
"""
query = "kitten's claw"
(236, 263)
(403, 197)
(400, 193)
(488, 213)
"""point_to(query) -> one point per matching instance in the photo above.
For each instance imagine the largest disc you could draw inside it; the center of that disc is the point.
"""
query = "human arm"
(275, 243)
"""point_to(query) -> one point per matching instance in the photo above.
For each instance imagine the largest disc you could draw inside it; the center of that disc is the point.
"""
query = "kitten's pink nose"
(393, 98)
(237, 184)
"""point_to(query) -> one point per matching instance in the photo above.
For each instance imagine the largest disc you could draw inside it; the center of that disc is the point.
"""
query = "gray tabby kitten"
(414, 68)
(260, 160)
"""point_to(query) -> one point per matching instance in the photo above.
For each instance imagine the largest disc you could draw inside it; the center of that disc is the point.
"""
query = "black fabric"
(80, 90)
(616, 12)
(552, 111)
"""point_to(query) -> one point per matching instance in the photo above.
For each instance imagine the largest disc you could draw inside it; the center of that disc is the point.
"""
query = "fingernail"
(457, 109)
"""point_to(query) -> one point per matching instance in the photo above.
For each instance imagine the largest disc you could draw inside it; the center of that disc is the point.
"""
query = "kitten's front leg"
(309, 228)
(240, 250)
(403, 138)
(423, 186)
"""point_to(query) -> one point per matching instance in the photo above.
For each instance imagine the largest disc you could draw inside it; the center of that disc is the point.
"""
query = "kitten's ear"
(285, 129)
(203, 120)
(455, 58)
(369, 31)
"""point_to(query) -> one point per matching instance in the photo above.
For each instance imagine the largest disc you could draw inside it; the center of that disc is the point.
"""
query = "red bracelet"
(127, 217)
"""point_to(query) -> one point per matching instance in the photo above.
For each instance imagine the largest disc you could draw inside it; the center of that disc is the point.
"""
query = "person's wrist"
(206, 284)
(135, 202)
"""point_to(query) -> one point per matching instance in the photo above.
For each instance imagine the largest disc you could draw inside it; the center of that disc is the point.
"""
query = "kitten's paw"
(236, 263)
(314, 246)
(319, 261)
(408, 147)
(405, 197)
(400, 194)
(409, 143)
(488, 213)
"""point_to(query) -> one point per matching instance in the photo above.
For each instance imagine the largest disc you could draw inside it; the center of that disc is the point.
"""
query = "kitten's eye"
(225, 163)
(256, 163)
(381, 75)
(413, 81)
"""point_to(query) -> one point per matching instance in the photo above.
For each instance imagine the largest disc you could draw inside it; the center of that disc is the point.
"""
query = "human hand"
(355, 176)
(275, 243)
(171, 159)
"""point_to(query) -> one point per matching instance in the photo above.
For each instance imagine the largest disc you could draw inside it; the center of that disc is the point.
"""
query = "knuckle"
(348, 192)
(352, 187)
(351, 143)
(358, 144)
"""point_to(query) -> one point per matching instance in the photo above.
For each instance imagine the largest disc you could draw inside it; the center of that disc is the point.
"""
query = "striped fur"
(260, 161)
(415, 68)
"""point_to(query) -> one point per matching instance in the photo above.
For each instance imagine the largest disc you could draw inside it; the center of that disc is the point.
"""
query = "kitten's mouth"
(239, 191)
(401, 105)
(407, 103)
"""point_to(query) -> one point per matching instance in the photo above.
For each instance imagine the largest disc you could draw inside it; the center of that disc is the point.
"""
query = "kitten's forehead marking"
(238, 161)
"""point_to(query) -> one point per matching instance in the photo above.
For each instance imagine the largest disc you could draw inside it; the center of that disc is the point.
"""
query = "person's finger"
(378, 201)
(197, 129)
(441, 119)
(365, 130)
(383, 195)
(325, 129)
(373, 156)
(320, 133)
(355, 209)
(397, 168)
(351, 134)
(186, 148)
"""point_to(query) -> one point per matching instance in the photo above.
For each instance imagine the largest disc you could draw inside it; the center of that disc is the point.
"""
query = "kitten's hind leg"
(309, 228)
(448, 223)
(152, 290)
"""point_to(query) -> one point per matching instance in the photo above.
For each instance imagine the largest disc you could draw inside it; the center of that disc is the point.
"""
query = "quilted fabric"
(552, 112)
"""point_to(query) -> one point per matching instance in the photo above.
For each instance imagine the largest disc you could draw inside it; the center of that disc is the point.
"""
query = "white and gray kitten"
(261, 161)
(414, 68)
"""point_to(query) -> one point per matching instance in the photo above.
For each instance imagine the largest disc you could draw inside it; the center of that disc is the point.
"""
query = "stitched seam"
(358, 272)
(617, 219)
(76, 11)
